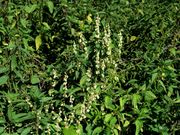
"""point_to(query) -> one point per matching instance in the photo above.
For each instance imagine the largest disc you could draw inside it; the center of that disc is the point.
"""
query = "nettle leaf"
(35, 79)
(3, 69)
(154, 77)
(149, 95)
(135, 100)
(1, 130)
(26, 131)
(24, 22)
(31, 8)
(46, 26)
(97, 130)
(46, 99)
(3, 79)
(38, 42)
(69, 131)
(139, 125)
(13, 62)
(113, 121)
(107, 118)
(83, 80)
(50, 5)
(108, 103)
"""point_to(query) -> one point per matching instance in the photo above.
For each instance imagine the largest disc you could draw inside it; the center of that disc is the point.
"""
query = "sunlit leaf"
(4, 79)
(50, 6)
(13, 62)
(97, 130)
(31, 8)
(35, 79)
(107, 118)
(139, 125)
(26, 131)
(133, 38)
(89, 19)
(38, 42)
(149, 95)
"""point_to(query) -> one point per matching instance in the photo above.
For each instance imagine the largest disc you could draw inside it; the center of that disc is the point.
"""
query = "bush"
(89, 67)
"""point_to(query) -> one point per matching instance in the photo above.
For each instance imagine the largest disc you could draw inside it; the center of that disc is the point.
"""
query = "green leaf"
(35, 79)
(24, 22)
(38, 42)
(69, 131)
(3, 70)
(108, 103)
(133, 38)
(13, 62)
(97, 130)
(1, 130)
(31, 8)
(83, 80)
(107, 118)
(173, 51)
(115, 132)
(50, 5)
(18, 118)
(3, 79)
(162, 84)
(47, 27)
(113, 121)
(139, 125)
(149, 95)
(45, 99)
(135, 100)
(126, 123)
(26, 131)
(154, 77)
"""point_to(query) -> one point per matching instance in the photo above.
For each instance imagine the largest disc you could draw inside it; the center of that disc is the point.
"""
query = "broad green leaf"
(69, 131)
(3, 79)
(108, 103)
(135, 100)
(50, 6)
(1, 130)
(2, 120)
(122, 101)
(3, 69)
(18, 118)
(154, 77)
(133, 38)
(18, 73)
(126, 123)
(35, 79)
(107, 118)
(149, 95)
(115, 132)
(173, 51)
(89, 129)
(26, 131)
(10, 113)
(113, 121)
(31, 8)
(45, 99)
(83, 80)
(38, 42)
(24, 22)
(162, 84)
(47, 27)
(13, 63)
(97, 130)
(139, 125)
(89, 19)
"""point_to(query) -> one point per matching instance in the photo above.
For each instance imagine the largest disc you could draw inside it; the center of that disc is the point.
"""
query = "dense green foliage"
(92, 67)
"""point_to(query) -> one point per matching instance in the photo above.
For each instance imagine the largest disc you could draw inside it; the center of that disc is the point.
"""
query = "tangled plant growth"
(89, 67)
